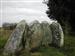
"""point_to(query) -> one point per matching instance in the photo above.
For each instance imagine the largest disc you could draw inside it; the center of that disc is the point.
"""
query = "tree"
(63, 11)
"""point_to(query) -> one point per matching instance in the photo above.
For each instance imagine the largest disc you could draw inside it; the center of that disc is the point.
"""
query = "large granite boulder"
(14, 42)
(33, 36)
(36, 36)
(47, 34)
(57, 34)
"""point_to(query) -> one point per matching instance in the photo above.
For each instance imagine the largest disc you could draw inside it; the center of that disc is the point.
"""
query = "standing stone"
(14, 42)
(36, 36)
(47, 34)
(57, 34)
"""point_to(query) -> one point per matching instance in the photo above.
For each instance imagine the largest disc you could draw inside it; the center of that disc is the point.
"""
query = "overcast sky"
(17, 10)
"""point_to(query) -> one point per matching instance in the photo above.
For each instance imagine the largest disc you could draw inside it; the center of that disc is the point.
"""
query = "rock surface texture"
(14, 42)
(33, 36)
(47, 34)
(36, 36)
(57, 34)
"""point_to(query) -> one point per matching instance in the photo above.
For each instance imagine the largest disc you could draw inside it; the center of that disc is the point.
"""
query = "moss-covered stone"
(36, 36)
(57, 34)
(47, 34)
(14, 42)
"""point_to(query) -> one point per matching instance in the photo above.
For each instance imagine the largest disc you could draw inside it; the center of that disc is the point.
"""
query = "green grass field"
(67, 50)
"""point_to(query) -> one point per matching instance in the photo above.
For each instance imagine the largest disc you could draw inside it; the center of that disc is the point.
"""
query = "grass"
(69, 46)
(50, 51)
(4, 34)
(67, 50)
